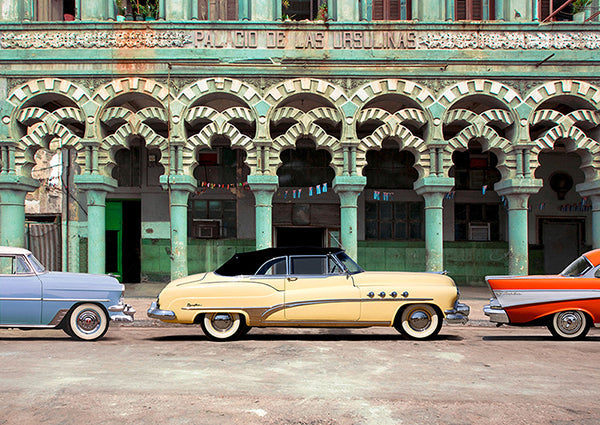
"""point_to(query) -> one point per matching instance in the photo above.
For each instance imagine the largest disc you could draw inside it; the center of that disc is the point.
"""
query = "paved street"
(173, 375)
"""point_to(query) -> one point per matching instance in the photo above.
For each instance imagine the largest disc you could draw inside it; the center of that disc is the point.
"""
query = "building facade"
(420, 135)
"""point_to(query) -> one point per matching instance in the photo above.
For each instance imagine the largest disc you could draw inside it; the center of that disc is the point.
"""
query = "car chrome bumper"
(496, 315)
(124, 312)
(155, 313)
(459, 314)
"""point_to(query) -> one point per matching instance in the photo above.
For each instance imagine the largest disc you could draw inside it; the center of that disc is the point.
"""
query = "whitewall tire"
(571, 324)
(419, 321)
(87, 322)
(223, 326)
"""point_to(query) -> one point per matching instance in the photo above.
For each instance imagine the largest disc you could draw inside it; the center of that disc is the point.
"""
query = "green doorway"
(123, 236)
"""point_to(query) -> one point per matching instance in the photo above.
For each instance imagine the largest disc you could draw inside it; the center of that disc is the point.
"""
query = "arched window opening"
(473, 169)
(390, 168)
(137, 166)
(305, 166)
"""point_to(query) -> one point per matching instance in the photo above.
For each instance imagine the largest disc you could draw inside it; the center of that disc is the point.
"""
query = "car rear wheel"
(571, 324)
(419, 321)
(223, 326)
(87, 322)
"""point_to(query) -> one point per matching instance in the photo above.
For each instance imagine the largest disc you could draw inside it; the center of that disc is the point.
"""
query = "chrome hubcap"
(419, 320)
(569, 322)
(88, 321)
(222, 321)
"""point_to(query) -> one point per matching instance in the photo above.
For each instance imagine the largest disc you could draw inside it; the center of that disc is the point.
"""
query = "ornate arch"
(134, 124)
(45, 126)
(375, 89)
(393, 125)
(306, 126)
(575, 88)
(565, 128)
(493, 89)
(219, 126)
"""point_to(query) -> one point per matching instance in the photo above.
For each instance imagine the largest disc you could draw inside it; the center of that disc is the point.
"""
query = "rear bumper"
(495, 312)
(121, 312)
(459, 314)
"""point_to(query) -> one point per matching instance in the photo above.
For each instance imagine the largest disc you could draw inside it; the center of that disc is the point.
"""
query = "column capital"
(589, 188)
(433, 185)
(349, 184)
(97, 182)
(14, 182)
(180, 182)
(518, 187)
(263, 182)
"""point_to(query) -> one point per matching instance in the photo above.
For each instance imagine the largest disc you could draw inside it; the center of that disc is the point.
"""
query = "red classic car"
(567, 303)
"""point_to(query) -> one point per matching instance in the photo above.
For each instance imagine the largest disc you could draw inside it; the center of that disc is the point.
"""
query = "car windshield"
(349, 263)
(577, 267)
(37, 266)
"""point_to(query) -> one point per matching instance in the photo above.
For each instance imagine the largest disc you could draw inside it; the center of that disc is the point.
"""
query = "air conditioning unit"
(479, 232)
(206, 229)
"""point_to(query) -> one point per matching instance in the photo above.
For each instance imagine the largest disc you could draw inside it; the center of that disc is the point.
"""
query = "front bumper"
(155, 313)
(121, 312)
(495, 312)
(459, 314)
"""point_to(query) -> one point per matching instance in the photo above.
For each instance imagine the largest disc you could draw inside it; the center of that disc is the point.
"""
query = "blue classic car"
(33, 298)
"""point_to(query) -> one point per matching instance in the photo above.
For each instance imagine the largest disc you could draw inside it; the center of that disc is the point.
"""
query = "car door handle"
(292, 279)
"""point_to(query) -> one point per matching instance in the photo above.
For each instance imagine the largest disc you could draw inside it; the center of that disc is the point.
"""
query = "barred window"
(212, 219)
(394, 220)
(476, 222)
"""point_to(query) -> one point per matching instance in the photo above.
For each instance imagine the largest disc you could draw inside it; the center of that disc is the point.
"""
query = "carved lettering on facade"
(299, 39)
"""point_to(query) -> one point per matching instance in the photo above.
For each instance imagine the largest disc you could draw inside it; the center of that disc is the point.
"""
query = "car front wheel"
(87, 322)
(570, 324)
(419, 321)
(223, 326)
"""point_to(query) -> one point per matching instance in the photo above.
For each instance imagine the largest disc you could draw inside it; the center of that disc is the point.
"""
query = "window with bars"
(392, 10)
(474, 10)
(394, 220)
(218, 10)
(212, 219)
(476, 222)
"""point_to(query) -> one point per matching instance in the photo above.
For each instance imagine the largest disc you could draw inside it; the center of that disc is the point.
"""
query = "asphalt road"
(173, 375)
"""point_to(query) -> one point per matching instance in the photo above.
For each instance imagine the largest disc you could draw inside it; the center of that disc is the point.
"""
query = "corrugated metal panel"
(44, 240)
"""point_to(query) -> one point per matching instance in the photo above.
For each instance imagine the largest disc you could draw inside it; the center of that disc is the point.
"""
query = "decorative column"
(96, 187)
(592, 191)
(517, 192)
(264, 187)
(348, 189)
(433, 189)
(13, 189)
(179, 188)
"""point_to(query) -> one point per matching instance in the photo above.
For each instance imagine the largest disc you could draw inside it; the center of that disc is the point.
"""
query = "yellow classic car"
(308, 287)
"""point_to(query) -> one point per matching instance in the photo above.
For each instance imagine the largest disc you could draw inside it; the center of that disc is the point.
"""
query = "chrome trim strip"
(77, 300)
(20, 299)
(325, 324)
(4, 326)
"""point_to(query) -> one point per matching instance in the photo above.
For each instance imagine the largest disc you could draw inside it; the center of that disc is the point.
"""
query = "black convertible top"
(247, 263)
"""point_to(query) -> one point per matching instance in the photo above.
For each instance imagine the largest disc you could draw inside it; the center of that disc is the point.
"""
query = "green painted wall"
(203, 255)
(466, 262)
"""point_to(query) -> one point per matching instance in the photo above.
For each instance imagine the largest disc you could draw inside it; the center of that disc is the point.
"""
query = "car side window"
(273, 267)
(13, 265)
(308, 265)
